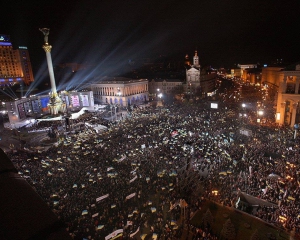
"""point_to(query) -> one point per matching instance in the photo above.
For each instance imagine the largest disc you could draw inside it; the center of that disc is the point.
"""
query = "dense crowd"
(133, 176)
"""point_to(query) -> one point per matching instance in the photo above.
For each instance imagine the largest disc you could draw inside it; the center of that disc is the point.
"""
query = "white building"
(199, 82)
(120, 91)
(193, 75)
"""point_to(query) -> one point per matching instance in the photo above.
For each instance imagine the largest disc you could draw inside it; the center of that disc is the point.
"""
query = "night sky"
(104, 32)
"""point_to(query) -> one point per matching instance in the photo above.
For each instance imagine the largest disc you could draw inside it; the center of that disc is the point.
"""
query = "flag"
(153, 209)
(114, 234)
(143, 236)
(183, 203)
(174, 133)
(133, 179)
(99, 227)
(84, 212)
(130, 195)
(110, 168)
(102, 197)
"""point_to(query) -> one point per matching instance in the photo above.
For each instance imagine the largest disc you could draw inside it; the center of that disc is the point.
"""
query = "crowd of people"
(132, 178)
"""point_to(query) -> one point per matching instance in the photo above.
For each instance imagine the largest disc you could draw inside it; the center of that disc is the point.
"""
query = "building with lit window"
(15, 65)
(246, 66)
(199, 81)
(284, 83)
(120, 91)
(288, 107)
(164, 86)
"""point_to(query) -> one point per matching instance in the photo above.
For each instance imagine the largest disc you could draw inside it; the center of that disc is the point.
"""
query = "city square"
(160, 121)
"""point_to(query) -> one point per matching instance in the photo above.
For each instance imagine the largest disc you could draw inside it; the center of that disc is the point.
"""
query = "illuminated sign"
(22, 47)
(5, 43)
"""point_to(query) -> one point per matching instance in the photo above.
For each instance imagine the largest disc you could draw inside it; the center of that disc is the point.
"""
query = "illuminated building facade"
(197, 81)
(193, 75)
(245, 66)
(15, 65)
(165, 86)
(288, 107)
(252, 75)
(120, 91)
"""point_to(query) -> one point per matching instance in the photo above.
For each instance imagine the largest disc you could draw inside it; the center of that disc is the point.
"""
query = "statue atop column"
(45, 31)
(55, 103)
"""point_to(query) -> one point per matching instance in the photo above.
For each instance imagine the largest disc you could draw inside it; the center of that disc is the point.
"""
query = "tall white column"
(56, 103)
(47, 49)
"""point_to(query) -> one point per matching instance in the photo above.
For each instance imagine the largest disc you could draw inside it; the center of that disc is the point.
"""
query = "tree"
(228, 231)
(207, 219)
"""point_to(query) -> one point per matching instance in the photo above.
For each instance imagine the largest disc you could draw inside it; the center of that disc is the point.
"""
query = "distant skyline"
(100, 32)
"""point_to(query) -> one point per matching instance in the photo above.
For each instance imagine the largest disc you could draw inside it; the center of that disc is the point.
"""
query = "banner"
(130, 196)
(102, 197)
(133, 179)
(113, 234)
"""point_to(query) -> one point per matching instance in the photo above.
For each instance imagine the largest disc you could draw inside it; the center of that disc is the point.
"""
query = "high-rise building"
(15, 64)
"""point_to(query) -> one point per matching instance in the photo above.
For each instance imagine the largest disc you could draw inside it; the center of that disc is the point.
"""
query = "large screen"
(214, 105)
(35, 106)
(27, 107)
(44, 103)
(85, 100)
(65, 99)
(75, 101)
(22, 114)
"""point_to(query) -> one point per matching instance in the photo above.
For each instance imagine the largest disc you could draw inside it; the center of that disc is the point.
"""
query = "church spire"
(196, 59)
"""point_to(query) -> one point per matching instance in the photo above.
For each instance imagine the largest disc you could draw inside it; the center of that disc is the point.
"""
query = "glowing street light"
(260, 112)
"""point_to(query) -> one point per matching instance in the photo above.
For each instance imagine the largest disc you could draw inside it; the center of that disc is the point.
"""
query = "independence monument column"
(55, 103)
